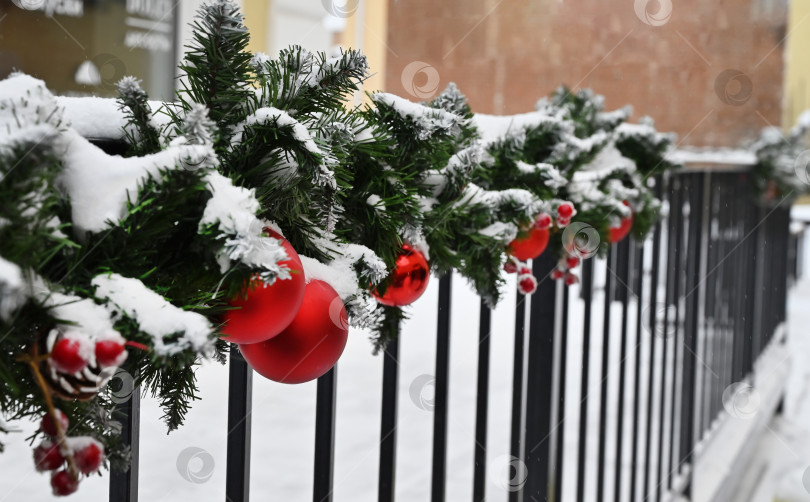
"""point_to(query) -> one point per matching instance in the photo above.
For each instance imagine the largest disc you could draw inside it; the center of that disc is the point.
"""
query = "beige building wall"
(797, 62)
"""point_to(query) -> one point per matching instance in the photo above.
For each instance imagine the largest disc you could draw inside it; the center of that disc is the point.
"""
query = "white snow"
(99, 184)
(155, 316)
(340, 272)
(429, 120)
(12, 288)
(92, 319)
(495, 127)
(712, 156)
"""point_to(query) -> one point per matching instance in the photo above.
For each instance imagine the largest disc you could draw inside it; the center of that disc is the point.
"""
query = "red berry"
(556, 274)
(63, 484)
(565, 210)
(525, 270)
(543, 221)
(510, 267)
(66, 356)
(571, 279)
(47, 457)
(89, 458)
(49, 427)
(572, 261)
(110, 353)
(528, 285)
(563, 222)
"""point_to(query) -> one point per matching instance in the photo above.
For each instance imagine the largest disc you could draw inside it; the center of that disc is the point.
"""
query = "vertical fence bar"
(515, 448)
(626, 261)
(693, 279)
(481, 405)
(587, 296)
(653, 334)
(240, 397)
(388, 421)
(684, 186)
(603, 405)
(639, 287)
(540, 380)
(124, 485)
(442, 373)
(559, 421)
(325, 437)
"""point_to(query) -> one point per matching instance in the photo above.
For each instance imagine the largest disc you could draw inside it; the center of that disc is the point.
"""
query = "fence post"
(482, 402)
(325, 436)
(442, 374)
(124, 485)
(240, 392)
(388, 420)
(540, 380)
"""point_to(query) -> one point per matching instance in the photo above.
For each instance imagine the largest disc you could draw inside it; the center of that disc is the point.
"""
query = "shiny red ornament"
(310, 345)
(66, 356)
(620, 232)
(265, 311)
(510, 267)
(572, 261)
(110, 353)
(530, 245)
(407, 281)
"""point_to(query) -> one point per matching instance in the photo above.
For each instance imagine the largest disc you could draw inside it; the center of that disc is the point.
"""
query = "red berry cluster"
(72, 352)
(85, 453)
(564, 270)
(527, 283)
(565, 211)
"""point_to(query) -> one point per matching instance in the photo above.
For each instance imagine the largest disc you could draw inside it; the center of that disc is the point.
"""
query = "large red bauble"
(620, 232)
(310, 345)
(407, 281)
(266, 310)
(529, 246)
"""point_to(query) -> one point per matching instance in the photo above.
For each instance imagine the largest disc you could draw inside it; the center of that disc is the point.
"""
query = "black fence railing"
(682, 316)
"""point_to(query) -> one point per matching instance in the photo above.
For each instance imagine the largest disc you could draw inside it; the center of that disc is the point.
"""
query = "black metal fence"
(692, 309)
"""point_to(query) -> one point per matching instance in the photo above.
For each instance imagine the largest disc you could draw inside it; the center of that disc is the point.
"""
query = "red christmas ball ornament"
(571, 278)
(565, 210)
(620, 232)
(67, 354)
(510, 267)
(265, 311)
(49, 427)
(47, 457)
(557, 274)
(529, 245)
(407, 281)
(88, 458)
(310, 345)
(572, 261)
(110, 353)
(63, 483)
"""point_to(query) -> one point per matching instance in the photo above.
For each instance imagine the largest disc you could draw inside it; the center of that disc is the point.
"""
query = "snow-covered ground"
(190, 463)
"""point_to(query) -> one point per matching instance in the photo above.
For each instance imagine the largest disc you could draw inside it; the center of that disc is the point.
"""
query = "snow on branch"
(172, 329)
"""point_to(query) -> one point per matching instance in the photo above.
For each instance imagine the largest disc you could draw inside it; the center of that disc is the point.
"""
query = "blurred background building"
(715, 73)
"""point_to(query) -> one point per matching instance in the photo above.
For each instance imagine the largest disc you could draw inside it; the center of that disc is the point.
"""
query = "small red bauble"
(557, 274)
(525, 270)
(407, 281)
(620, 232)
(572, 261)
(528, 284)
(47, 457)
(66, 356)
(48, 427)
(510, 267)
(63, 484)
(264, 311)
(88, 458)
(110, 353)
(565, 210)
(543, 221)
(530, 245)
(571, 278)
(310, 345)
